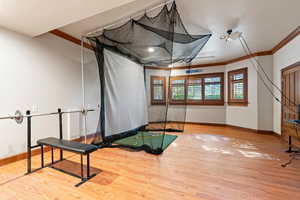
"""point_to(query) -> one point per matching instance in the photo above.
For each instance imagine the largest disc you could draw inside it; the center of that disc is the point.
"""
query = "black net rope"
(159, 40)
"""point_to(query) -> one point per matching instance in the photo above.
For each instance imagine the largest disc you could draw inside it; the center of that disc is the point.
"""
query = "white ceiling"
(35, 17)
(263, 22)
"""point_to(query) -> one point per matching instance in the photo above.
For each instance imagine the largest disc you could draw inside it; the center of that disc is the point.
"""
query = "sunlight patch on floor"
(216, 150)
(253, 154)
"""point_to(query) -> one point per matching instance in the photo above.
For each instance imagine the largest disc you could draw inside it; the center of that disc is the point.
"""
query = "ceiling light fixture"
(151, 49)
(229, 36)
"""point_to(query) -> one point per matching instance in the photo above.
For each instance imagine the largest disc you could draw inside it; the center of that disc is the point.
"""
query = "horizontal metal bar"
(85, 180)
(35, 146)
(47, 165)
(9, 117)
(41, 114)
(79, 111)
(46, 114)
(66, 172)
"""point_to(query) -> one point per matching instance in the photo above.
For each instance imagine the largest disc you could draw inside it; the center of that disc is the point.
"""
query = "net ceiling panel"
(159, 40)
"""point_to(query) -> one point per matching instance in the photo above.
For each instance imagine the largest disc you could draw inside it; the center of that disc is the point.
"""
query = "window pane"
(178, 92)
(157, 81)
(212, 79)
(238, 91)
(195, 81)
(158, 93)
(213, 92)
(194, 92)
(238, 76)
(177, 81)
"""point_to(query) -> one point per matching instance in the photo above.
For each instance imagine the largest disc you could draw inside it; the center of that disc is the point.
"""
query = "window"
(203, 89)
(158, 90)
(177, 88)
(238, 87)
(194, 89)
(212, 88)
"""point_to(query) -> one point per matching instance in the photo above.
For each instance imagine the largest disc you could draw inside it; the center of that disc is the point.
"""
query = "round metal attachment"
(19, 117)
(84, 111)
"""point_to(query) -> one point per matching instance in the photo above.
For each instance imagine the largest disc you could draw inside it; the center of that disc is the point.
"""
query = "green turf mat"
(151, 139)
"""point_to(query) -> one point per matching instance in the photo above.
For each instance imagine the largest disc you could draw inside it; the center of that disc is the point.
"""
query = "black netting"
(159, 41)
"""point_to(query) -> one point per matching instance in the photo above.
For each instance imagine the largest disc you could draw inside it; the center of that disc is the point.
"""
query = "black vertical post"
(42, 156)
(60, 131)
(81, 166)
(100, 59)
(52, 156)
(88, 165)
(298, 111)
(290, 145)
(28, 142)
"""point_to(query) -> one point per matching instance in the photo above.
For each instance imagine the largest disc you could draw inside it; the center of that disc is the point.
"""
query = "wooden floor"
(206, 162)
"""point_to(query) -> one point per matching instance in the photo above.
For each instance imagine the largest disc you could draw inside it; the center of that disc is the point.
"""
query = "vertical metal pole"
(81, 166)
(42, 156)
(88, 164)
(60, 131)
(290, 144)
(28, 142)
(83, 88)
(52, 156)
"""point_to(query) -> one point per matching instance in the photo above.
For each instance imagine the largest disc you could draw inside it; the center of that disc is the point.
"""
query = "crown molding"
(286, 40)
(260, 53)
(281, 44)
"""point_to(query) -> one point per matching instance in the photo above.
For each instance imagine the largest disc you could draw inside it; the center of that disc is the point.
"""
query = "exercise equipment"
(75, 147)
(159, 40)
(60, 143)
(19, 117)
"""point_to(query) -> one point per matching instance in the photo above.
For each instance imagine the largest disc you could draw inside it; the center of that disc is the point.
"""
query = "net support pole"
(83, 90)
(28, 142)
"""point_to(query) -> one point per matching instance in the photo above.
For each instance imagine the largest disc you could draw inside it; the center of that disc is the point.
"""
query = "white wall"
(284, 57)
(41, 72)
(244, 116)
(265, 99)
(258, 113)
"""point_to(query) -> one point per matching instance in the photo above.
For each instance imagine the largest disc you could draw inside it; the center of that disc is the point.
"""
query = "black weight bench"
(75, 147)
(63, 145)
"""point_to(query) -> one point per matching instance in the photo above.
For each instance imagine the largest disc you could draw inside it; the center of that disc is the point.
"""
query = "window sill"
(158, 103)
(211, 103)
(243, 104)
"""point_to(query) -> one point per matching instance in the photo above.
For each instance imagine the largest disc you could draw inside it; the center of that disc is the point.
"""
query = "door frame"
(283, 70)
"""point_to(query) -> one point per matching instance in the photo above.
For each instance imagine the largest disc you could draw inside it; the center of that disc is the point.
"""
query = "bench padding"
(67, 145)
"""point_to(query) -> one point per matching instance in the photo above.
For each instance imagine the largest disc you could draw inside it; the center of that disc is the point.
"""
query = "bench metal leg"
(42, 156)
(83, 180)
(290, 149)
(88, 164)
(61, 155)
(81, 166)
(52, 156)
